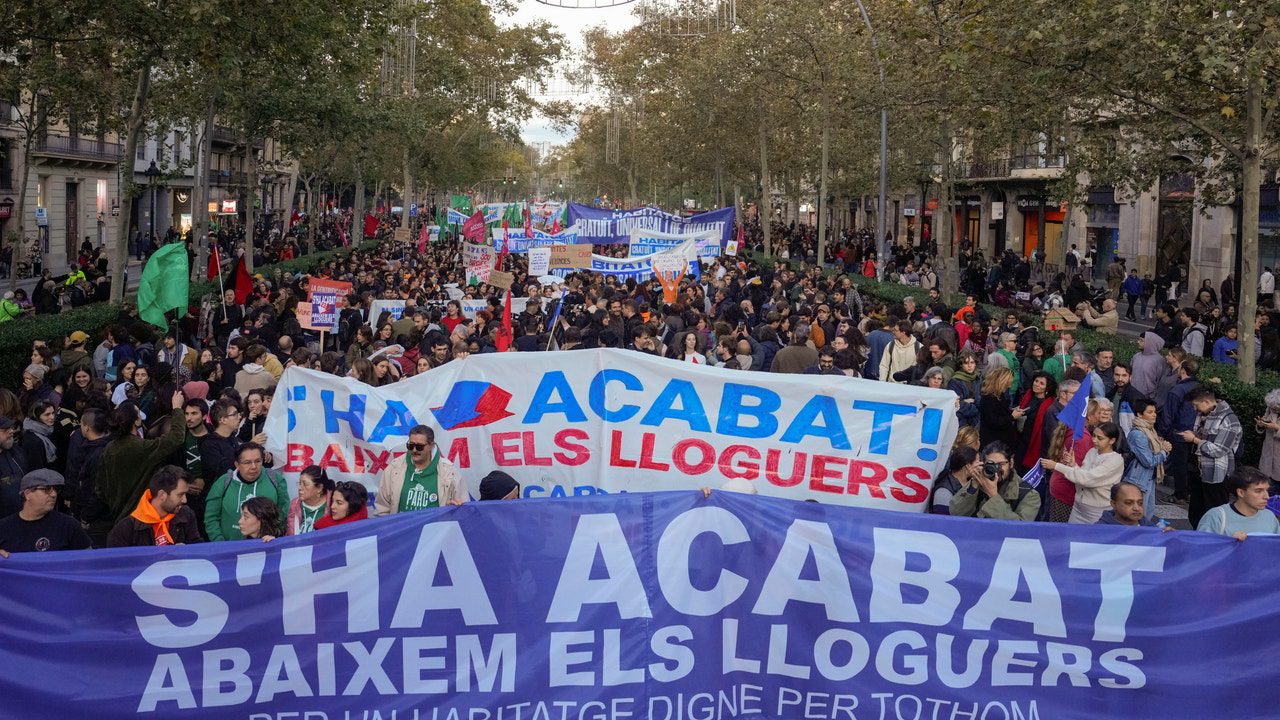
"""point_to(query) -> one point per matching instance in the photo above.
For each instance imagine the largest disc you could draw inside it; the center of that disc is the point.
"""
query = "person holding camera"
(997, 491)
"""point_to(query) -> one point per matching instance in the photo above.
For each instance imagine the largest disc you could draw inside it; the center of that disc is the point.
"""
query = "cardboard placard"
(403, 235)
(573, 257)
(539, 261)
(501, 280)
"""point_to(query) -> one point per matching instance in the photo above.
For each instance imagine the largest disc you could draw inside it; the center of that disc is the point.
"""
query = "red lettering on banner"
(299, 457)
(460, 453)
(333, 458)
(823, 470)
(564, 440)
(615, 451)
(911, 491)
(869, 474)
(506, 448)
(745, 470)
(378, 461)
(680, 456)
(530, 452)
(773, 458)
(356, 453)
(646, 454)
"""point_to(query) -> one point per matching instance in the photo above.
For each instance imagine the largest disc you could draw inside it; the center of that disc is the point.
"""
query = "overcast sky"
(572, 22)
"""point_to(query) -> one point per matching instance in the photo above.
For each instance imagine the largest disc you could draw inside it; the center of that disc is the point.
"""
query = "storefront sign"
(229, 206)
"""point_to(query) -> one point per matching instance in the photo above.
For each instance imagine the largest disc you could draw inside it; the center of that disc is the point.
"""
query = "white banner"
(612, 421)
(394, 307)
(647, 242)
(477, 261)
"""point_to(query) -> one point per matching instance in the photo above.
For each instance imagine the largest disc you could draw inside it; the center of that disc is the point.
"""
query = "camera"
(991, 470)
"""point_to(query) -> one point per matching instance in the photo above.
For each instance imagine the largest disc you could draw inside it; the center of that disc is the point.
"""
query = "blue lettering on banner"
(651, 605)
(609, 227)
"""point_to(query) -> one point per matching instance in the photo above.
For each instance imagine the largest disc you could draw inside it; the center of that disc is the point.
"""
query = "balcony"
(223, 178)
(228, 137)
(985, 169)
(78, 150)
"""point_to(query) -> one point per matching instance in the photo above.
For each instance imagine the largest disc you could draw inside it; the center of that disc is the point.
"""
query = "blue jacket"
(876, 343)
(1132, 285)
(1142, 471)
(1178, 414)
(968, 412)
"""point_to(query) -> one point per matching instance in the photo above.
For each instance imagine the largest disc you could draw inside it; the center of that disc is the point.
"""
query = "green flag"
(165, 283)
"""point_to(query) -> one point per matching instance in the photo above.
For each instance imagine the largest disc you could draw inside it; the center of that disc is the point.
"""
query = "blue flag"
(1073, 412)
(1034, 476)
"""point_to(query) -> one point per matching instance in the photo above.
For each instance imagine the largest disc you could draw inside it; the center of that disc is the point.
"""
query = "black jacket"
(217, 454)
(130, 532)
(82, 469)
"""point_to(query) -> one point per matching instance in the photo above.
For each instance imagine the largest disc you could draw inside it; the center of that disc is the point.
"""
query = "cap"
(36, 371)
(497, 485)
(78, 337)
(44, 476)
(6, 422)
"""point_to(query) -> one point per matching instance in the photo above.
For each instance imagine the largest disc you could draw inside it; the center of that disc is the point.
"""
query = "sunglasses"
(415, 447)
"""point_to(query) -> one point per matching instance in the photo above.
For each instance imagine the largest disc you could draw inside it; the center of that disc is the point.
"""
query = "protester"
(1213, 442)
(127, 464)
(229, 492)
(37, 526)
(1246, 514)
(161, 517)
(1127, 507)
(424, 480)
(498, 485)
(315, 490)
(260, 519)
(348, 503)
(1093, 478)
(1149, 453)
(963, 467)
(996, 492)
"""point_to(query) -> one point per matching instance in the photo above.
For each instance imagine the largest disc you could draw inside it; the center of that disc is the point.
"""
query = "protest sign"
(302, 311)
(592, 426)
(661, 606)
(731, 249)
(642, 268)
(478, 260)
(471, 306)
(501, 280)
(323, 295)
(393, 308)
(539, 261)
(611, 227)
(403, 235)
(519, 242)
(570, 257)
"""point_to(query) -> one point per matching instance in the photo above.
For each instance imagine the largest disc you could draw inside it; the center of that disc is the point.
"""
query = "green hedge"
(1247, 399)
(17, 336)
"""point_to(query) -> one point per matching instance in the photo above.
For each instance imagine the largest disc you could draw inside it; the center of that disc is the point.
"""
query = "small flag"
(422, 238)
(346, 244)
(1034, 476)
(370, 225)
(242, 282)
(215, 262)
(1073, 413)
(164, 284)
(528, 221)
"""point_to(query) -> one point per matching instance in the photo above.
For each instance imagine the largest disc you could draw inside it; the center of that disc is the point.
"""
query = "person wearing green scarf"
(1009, 351)
(968, 389)
(419, 479)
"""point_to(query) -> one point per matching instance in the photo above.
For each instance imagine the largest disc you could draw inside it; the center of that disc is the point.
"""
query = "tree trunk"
(357, 215)
(822, 184)
(23, 183)
(200, 193)
(408, 190)
(1249, 202)
(766, 206)
(120, 259)
(250, 199)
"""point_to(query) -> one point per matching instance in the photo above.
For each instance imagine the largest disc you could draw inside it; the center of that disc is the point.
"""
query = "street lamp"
(884, 144)
(153, 174)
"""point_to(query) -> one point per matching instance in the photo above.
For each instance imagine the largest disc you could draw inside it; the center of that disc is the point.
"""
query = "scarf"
(1036, 437)
(327, 521)
(147, 514)
(1152, 438)
(43, 432)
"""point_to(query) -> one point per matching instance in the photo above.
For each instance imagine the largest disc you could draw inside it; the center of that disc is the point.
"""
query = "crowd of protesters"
(144, 436)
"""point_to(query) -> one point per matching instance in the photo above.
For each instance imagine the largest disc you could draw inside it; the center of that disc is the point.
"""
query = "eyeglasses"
(416, 447)
(48, 489)
(249, 463)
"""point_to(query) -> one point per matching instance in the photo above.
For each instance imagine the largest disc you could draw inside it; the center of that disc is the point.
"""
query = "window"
(142, 149)
(42, 187)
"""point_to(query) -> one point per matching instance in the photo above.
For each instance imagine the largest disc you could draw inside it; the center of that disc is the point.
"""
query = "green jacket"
(222, 504)
(1016, 501)
(9, 310)
(126, 468)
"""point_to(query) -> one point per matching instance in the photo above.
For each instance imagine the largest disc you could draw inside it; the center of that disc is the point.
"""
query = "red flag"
(474, 229)
(346, 244)
(293, 218)
(502, 340)
(502, 256)
(215, 262)
(242, 283)
(740, 236)
(370, 225)
(555, 226)
(422, 239)
(528, 221)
